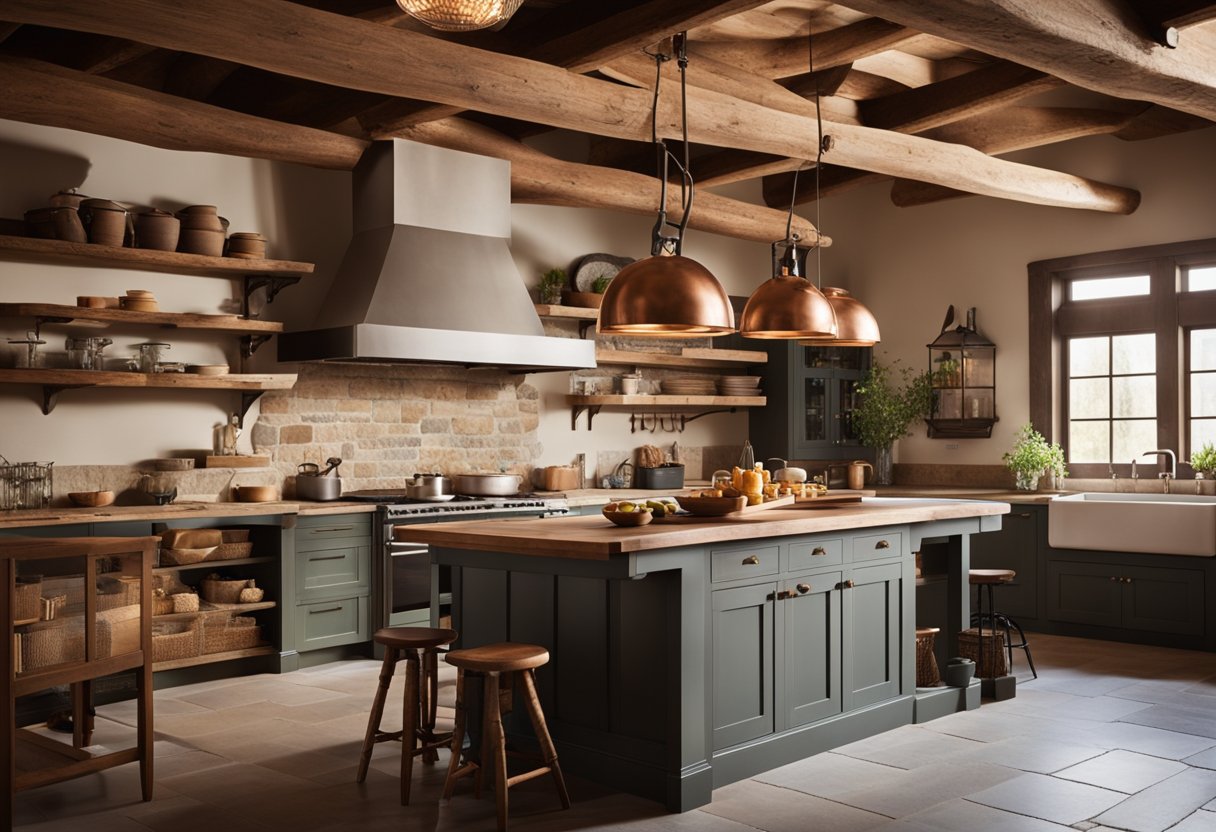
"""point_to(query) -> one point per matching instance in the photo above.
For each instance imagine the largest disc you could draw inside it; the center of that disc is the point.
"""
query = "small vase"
(884, 466)
(1027, 480)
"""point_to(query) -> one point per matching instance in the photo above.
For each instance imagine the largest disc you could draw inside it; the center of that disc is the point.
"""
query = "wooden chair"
(492, 662)
(419, 647)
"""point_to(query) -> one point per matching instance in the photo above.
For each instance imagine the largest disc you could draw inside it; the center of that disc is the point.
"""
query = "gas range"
(396, 506)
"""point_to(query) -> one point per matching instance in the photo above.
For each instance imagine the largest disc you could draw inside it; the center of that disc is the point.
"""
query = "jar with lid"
(25, 351)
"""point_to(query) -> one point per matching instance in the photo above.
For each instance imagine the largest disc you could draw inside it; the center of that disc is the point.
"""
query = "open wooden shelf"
(556, 310)
(213, 564)
(632, 358)
(35, 250)
(211, 658)
(666, 401)
(208, 607)
(56, 313)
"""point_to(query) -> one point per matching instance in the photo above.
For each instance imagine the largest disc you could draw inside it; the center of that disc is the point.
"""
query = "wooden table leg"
(145, 732)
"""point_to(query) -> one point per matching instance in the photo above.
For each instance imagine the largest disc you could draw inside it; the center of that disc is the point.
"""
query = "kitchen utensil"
(106, 221)
(40, 223)
(488, 485)
(668, 476)
(332, 465)
(629, 518)
(255, 493)
(158, 230)
(159, 487)
(958, 672)
(630, 383)
(857, 473)
(308, 469)
(711, 506)
(90, 302)
(68, 226)
(70, 199)
(91, 499)
(316, 487)
(429, 485)
(789, 474)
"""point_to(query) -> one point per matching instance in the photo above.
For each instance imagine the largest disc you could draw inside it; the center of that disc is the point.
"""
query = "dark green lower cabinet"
(1151, 599)
(1014, 547)
(743, 657)
(871, 635)
(811, 635)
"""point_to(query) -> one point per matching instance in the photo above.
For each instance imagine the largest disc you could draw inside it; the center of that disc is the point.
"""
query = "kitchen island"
(694, 652)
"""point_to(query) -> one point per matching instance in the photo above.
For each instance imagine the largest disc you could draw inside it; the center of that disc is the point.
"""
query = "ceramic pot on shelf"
(157, 230)
(106, 221)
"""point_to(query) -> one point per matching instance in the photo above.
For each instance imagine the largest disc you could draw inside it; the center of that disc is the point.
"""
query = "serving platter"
(727, 506)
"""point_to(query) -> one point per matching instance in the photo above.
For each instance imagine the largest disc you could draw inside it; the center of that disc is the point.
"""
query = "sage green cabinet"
(1151, 599)
(331, 623)
(743, 656)
(811, 621)
(333, 563)
(872, 645)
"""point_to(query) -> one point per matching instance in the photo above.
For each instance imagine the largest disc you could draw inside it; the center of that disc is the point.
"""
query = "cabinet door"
(871, 612)
(811, 663)
(813, 419)
(743, 663)
(339, 570)
(1163, 600)
(1013, 547)
(1084, 593)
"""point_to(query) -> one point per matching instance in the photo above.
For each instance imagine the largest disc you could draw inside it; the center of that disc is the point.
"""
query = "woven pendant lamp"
(460, 15)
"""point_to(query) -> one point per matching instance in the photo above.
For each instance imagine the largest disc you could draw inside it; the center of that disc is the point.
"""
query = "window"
(1123, 353)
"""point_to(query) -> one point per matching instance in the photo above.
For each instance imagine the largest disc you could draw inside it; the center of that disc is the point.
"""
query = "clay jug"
(857, 474)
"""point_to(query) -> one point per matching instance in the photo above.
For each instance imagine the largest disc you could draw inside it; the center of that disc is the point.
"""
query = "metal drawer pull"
(883, 544)
(332, 529)
(817, 551)
(784, 594)
(750, 560)
(1025, 515)
(327, 609)
(803, 588)
(1115, 578)
(330, 557)
(845, 585)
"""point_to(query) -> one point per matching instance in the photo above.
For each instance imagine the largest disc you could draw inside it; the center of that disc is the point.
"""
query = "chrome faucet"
(1166, 476)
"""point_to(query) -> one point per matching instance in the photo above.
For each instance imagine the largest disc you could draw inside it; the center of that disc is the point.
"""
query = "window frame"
(1167, 311)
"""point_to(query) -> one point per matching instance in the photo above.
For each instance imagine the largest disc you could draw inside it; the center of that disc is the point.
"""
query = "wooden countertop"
(951, 493)
(174, 511)
(594, 538)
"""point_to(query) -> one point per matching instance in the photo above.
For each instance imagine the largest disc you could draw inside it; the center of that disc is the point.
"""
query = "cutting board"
(826, 501)
(239, 461)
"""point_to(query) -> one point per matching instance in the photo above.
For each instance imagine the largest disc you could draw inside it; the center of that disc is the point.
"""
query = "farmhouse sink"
(1164, 524)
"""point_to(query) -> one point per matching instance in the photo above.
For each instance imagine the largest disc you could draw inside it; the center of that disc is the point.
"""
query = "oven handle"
(407, 549)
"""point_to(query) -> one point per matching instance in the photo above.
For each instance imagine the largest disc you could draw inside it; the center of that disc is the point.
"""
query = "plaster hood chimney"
(427, 277)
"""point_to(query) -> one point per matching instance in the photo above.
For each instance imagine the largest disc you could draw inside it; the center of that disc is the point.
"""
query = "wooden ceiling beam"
(778, 191)
(41, 93)
(540, 179)
(290, 39)
(109, 54)
(7, 30)
(792, 56)
(1100, 45)
(727, 166)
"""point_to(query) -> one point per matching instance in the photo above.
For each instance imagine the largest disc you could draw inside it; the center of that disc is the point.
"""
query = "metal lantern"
(962, 372)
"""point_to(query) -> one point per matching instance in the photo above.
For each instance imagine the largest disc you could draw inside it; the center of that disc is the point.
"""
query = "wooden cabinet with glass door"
(74, 609)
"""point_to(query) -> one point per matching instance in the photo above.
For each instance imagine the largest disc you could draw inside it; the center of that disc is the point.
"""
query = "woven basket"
(234, 535)
(118, 631)
(236, 632)
(231, 551)
(223, 591)
(184, 602)
(50, 646)
(70, 586)
(176, 640)
(185, 557)
(995, 661)
(123, 591)
(26, 605)
(927, 674)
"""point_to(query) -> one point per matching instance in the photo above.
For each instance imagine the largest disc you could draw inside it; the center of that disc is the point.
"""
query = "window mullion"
(1164, 292)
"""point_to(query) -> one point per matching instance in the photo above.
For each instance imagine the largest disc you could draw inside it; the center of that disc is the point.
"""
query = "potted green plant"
(890, 399)
(551, 284)
(600, 284)
(1032, 456)
(1204, 461)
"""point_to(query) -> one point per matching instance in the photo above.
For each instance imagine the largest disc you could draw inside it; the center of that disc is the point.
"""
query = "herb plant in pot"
(551, 284)
(1204, 462)
(591, 299)
(1032, 456)
(890, 399)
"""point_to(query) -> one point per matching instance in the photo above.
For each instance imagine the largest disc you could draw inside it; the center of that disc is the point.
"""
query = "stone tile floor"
(1110, 736)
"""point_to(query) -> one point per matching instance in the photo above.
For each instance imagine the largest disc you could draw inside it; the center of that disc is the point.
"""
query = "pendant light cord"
(810, 48)
(659, 242)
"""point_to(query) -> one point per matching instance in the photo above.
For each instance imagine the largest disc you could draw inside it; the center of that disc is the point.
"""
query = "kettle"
(857, 473)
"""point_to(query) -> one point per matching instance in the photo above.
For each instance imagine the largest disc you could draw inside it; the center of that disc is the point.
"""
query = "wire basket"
(24, 485)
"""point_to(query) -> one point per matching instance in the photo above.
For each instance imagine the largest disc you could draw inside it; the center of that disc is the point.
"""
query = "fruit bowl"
(640, 516)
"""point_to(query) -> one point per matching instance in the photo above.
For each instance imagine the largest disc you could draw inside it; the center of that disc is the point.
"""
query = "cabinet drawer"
(747, 562)
(814, 553)
(342, 567)
(315, 531)
(875, 546)
(331, 623)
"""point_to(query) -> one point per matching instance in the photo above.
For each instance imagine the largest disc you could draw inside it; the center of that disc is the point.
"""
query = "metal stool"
(491, 662)
(418, 646)
(988, 579)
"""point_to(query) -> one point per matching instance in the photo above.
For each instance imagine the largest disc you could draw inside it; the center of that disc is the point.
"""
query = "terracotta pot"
(70, 199)
(202, 217)
(157, 230)
(201, 241)
(68, 225)
(106, 221)
(40, 222)
(247, 245)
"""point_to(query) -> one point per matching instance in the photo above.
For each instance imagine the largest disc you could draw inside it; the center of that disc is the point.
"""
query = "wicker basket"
(185, 557)
(49, 646)
(231, 551)
(26, 604)
(118, 631)
(927, 674)
(231, 632)
(995, 661)
(69, 586)
(176, 640)
(121, 591)
(184, 602)
(222, 590)
(234, 535)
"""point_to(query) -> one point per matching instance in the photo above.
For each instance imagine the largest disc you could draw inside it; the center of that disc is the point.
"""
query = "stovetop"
(394, 504)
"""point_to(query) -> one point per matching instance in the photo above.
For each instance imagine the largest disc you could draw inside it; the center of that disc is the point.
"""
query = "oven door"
(409, 581)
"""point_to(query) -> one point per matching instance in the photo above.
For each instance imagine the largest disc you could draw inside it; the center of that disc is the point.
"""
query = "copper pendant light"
(667, 295)
(856, 324)
(787, 306)
(460, 15)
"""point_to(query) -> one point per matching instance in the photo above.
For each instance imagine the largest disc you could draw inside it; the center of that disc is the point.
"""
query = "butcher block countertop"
(173, 511)
(595, 538)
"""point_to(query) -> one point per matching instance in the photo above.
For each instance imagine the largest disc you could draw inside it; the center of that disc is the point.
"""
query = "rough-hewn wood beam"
(791, 56)
(1177, 14)
(42, 93)
(540, 179)
(109, 54)
(778, 190)
(7, 30)
(1100, 45)
(728, 166)
(284, 37)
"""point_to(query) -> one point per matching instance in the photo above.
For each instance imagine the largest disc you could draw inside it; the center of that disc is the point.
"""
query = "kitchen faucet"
(1170, 474)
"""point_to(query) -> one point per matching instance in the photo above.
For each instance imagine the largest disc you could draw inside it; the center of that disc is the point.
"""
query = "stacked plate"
(739, 386)
(689, 386)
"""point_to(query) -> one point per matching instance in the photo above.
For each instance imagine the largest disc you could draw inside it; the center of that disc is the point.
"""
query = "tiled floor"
(1109, 737)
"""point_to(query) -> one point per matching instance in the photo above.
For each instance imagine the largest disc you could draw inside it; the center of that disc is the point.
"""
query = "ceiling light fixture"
(460, 15)
(667, 295)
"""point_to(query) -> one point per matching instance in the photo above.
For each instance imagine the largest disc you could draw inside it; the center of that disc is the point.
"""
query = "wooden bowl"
(91, 499)
(629, 518)
(255, 493)
(711, 506)
(207, 369)
(587, 300)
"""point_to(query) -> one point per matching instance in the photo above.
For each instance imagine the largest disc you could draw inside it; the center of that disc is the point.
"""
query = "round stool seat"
(504, 657)
(991, 576)
(413, 638)
(927, 631)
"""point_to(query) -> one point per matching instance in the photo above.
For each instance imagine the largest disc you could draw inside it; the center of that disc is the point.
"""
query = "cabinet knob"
(883, 544)
(750, 560)
(803, 589)
(845, 584)
(1115, 578)
(818, 551)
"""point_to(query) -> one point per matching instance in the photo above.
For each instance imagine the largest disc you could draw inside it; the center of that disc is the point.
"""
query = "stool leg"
(428, 694)
(409, 730)
(497, 742)
(487, 748)
(449, 783)
(387, 669)
(1025, 647)
(541, 728)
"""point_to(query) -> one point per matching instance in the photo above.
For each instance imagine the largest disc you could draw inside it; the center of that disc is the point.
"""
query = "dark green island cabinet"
(694, 652)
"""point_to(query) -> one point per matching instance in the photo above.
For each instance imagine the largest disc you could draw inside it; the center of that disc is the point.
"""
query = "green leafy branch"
(891, 398)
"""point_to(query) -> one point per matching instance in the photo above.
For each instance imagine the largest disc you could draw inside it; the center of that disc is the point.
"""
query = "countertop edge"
(69, 515)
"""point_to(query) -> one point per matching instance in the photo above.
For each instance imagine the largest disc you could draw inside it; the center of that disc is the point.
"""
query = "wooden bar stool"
(418, 646)
(491, 662)
(990, 579)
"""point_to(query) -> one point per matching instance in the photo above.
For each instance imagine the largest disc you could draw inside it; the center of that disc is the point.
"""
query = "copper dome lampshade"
(856, 324)
(667, 295)
(460, 15)
(787, 306)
